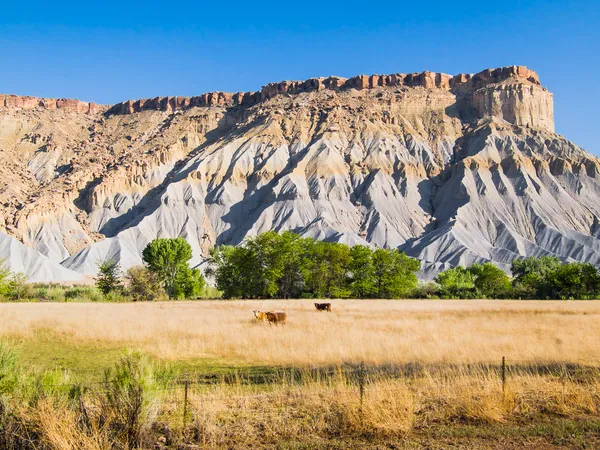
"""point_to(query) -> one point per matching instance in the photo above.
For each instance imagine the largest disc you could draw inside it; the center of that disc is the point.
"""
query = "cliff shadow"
(151, 199)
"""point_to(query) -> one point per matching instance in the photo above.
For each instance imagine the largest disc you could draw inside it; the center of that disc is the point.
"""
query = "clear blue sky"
(112, 51)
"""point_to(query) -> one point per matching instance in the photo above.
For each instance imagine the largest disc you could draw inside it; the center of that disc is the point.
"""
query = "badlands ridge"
(450, 169)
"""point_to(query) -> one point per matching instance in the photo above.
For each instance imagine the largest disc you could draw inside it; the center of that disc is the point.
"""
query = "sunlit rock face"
(450, 169)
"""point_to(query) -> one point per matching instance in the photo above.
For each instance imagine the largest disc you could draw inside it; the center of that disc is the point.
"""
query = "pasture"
(551, 398)
(373, 331)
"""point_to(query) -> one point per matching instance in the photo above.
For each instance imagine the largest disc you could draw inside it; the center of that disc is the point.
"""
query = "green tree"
(266, 265)
(456, 282)
(293, 254)
(362, 272)
(5, 274)
(109, 276)
(572, 281)
(18, 285)
(326, 269)
(490, 281)
(395, 273)
(530, 274)
(168, 258)
(231, 268)
(189, 283)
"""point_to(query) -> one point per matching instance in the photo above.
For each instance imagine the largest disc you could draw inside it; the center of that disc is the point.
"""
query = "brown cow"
(323, 306)
(276, 317)
(260, 315)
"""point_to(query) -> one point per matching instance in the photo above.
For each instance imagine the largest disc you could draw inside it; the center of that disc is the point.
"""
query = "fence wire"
(283, 389)
(354, 373)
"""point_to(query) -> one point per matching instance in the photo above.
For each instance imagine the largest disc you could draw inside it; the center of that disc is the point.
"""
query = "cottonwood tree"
(456, 282)
(287, 265)
(362, 272)
(530, 274)
(394, 273)
(571, 281)
(327, 269)
(490, 281)
(168, 258)
(293, 253)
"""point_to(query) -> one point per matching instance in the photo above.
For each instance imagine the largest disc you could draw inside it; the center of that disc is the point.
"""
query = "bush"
(8, 368)
(456, 282)
(56, 294)
(131, 395)
(118, 297)
(429, 289)
(144, 285)
(83, 293)
(109, 276)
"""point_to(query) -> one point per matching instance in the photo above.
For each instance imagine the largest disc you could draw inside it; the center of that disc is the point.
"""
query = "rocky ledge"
(429, 80)
(28, 102)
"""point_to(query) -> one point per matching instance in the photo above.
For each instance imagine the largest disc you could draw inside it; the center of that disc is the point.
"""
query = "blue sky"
(112, 51)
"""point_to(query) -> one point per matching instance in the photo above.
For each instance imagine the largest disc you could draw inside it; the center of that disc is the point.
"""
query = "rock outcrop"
(26, 102)
(450, 169)
(485, 91)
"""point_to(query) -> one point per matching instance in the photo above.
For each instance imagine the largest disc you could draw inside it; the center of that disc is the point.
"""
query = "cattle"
(260, 315)
(276, 317)
(323, 306)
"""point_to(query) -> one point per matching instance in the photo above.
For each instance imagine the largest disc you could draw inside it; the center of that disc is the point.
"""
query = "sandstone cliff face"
(451, 169)
(26, 102)
(519, 104)
(512, 93)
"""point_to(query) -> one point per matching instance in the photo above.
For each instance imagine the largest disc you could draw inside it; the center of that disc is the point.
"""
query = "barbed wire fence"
(357, 378)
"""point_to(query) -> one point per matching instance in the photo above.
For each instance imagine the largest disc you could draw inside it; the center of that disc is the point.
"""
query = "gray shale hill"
(450, 169)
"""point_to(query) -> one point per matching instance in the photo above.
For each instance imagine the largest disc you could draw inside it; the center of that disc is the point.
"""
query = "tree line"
(286, 265)
(166, 272)
(273, 265)
(545, 277)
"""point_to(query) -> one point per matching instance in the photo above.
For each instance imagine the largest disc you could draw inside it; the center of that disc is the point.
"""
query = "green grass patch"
(87, 361)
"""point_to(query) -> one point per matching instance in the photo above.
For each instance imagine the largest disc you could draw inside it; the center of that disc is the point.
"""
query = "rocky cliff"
(451, 169)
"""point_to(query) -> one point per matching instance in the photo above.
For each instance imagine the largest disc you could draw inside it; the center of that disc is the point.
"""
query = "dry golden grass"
(392, 407)
(316, 408)
(374, 331)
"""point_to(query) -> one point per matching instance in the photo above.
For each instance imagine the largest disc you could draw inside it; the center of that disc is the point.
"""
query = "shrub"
(131, 396)
(109, 276)
(118, 297)
(18, 285)
(56, 294)
(83, 293)
(144, 285)
(8, 368)
(456, 282)
(429, 289)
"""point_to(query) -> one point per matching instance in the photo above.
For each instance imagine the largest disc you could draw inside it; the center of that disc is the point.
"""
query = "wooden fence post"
(185, 401)
(503, 377)
(361, 383)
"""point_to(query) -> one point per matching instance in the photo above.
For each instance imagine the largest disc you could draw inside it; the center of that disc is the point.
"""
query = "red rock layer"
(27, 102)
(424, 79)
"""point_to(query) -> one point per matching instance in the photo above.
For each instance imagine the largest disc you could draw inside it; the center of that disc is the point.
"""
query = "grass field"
(374, 331)
(551, 398)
